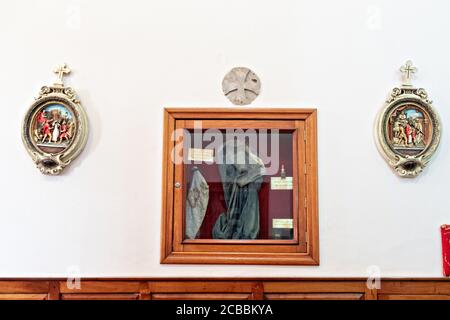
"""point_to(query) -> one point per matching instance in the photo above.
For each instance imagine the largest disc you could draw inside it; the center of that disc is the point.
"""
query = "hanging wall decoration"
(241, 86)
(55, 127)
(408, 128)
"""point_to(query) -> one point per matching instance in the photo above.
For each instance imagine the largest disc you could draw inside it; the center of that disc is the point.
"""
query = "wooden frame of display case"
(302, 250)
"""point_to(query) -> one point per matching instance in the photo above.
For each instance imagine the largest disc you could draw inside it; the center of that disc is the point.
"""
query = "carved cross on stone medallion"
(241, 86)
(408, 70)
(61, 71)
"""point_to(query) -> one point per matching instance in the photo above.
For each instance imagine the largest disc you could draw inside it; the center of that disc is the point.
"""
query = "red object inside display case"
(445, 230)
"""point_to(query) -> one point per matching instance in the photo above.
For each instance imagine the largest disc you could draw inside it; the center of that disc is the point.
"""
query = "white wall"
(132, 58)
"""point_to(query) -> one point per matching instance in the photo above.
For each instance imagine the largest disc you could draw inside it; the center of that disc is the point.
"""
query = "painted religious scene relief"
(409, 130)
(53, 128)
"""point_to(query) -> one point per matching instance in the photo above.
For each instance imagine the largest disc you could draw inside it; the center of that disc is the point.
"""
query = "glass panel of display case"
(240, 187)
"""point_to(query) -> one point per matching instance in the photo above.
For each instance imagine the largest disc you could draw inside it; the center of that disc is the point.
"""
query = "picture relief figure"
(409, 128)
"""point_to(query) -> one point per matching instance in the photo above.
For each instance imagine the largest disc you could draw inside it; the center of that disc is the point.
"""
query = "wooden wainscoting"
(222, 289)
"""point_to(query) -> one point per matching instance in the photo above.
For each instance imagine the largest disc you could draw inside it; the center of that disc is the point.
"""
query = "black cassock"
(241, 175)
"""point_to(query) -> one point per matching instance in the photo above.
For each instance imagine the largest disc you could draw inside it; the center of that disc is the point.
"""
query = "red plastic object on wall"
(445, 230)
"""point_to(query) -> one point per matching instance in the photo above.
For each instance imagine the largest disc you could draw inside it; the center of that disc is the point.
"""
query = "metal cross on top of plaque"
(408, 70)
(61, 71)
(408, 128)
(55, 127)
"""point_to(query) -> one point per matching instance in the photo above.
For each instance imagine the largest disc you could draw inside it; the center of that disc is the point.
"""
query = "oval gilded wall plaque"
(408, 128)
(55, 127)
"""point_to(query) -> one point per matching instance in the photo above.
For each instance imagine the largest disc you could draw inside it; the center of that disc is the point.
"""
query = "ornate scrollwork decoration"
(71, 94)
(407, 166)
(394, 94)
(45, 90)
(50, 164)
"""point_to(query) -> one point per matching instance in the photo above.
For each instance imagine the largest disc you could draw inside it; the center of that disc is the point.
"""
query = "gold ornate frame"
(54, 163)
(408, 166)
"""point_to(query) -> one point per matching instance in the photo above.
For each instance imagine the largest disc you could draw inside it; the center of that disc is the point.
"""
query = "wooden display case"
(240, 217)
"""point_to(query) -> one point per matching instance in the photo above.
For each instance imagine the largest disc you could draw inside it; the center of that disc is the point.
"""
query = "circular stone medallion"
(241, 86)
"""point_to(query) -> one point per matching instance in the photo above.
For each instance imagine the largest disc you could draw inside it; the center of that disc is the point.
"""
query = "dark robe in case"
(241, 180)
